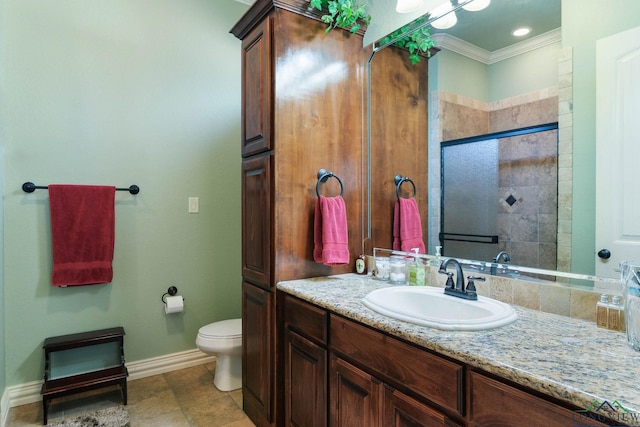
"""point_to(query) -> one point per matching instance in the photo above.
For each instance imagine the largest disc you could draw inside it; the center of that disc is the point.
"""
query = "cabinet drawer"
(400, 364)
(495, 403)
(307, 319)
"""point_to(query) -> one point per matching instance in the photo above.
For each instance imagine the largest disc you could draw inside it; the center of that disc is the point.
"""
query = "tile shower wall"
(528, 201)
(528, 198)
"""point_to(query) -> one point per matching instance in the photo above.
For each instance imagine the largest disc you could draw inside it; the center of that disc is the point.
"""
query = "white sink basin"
(429, 306)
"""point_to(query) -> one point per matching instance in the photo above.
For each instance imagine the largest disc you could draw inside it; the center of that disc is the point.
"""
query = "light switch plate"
(194, 204)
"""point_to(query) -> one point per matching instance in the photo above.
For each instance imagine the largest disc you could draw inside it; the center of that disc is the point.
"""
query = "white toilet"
(224, 340)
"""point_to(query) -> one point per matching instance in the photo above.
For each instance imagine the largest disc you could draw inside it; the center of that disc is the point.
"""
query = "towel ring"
(323, 176)
(399, 180)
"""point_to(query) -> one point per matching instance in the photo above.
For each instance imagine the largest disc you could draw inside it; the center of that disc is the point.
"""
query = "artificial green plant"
(348, 14)
(417, 42)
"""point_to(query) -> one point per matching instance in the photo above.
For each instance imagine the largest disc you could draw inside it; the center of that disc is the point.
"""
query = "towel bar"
(323, 176)
(399, 180)
(30, 187)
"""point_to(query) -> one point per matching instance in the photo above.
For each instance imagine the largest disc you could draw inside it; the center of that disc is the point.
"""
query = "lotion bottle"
(602, 311)
(616, 315)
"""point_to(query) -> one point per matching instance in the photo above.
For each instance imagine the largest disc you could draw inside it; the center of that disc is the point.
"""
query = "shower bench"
(84, 371)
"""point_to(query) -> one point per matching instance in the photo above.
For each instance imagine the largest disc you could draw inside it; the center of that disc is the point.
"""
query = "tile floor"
(184, 398)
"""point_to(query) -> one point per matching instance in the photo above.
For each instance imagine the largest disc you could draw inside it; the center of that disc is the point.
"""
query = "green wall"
(526, 73)
(460, 75)
(121, 92)
(582, 24)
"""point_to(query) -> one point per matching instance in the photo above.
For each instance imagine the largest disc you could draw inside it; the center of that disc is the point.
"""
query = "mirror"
(504, 78)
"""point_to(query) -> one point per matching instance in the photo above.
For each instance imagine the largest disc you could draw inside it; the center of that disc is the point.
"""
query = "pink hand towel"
(331, 235)
(407, 226)
(82, 234)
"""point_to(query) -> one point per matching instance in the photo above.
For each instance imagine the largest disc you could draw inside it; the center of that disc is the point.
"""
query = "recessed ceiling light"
(519, 32)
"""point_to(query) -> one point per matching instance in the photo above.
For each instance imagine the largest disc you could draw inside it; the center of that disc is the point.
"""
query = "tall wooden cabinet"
(302, 110)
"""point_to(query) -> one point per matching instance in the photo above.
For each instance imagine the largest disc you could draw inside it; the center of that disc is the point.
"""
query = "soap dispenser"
(437, 258)
(417, 273)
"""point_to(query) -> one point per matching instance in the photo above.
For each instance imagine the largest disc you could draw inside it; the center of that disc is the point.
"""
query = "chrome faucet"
(458, 289)
(494, 266)
(502, 254)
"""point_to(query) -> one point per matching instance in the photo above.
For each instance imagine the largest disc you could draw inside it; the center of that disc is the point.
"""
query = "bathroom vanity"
(347, 365)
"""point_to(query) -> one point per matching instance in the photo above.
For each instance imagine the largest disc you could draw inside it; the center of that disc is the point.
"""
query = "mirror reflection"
(470, 213)
(482, 70)
(500, 196)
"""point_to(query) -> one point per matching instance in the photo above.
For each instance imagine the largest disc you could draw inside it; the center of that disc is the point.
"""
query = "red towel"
(331, 235)
(82, 234)
(407, 226)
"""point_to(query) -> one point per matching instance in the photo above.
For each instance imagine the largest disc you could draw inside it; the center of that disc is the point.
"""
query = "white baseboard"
(22, 394)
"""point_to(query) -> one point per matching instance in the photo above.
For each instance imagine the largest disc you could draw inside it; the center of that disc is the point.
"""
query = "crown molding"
(454, 44)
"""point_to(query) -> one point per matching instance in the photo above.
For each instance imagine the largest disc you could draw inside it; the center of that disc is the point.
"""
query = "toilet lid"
(231, 328)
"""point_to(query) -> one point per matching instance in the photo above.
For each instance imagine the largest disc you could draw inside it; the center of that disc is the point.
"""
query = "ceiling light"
(519, 32)
(447, 18)
(407, 6)
(476, 5)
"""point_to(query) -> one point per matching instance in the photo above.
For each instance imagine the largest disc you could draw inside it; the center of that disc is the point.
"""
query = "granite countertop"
(568, 359)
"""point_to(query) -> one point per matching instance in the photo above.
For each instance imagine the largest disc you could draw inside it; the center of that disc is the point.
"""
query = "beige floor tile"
(25, 415)
(184, 398)
(171, 419)
(225, 411)
(189, 377)
(162, 402)
(245, 422)
(236, 395)
(144, 388)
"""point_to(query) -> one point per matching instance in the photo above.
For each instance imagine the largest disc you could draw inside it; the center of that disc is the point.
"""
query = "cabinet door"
(355, 396)
(257, 352)
(496, 404)
(305, 382)
(256, 90)
(401, 410)
(256, 220)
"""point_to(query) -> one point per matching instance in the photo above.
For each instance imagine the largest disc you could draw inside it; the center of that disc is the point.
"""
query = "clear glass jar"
(398, 270)
(630, 277)
(381, 271)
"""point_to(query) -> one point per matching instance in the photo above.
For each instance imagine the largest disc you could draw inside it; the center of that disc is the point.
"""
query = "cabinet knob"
(604, 253)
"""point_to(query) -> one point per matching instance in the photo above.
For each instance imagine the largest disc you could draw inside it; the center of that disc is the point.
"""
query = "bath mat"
(115, 416)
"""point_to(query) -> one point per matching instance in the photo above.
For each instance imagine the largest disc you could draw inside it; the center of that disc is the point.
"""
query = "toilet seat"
(228, 329)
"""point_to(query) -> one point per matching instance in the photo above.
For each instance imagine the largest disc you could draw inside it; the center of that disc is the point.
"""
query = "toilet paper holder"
(171, 292)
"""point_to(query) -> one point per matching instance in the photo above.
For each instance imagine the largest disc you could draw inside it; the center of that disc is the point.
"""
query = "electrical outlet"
(194, 204)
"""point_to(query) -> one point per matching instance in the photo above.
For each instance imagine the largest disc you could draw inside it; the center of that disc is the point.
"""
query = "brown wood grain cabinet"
(399, 138)
(494, 403)
(258, 347)
(256, 219)
(256, 90)
(375, 379)
(355, 395)
(302, 111)
(305, 364)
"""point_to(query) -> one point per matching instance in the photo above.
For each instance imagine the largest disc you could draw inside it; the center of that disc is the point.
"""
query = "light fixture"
(407, 6)
(475, 5)
(523, 31)
(447, 17)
